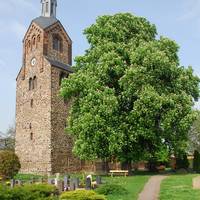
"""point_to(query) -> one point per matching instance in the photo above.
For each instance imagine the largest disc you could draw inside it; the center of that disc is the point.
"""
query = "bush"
(9, 164)
(196, 161)
(112, 189)
(82, 195)
(29, 192)
(182, 161)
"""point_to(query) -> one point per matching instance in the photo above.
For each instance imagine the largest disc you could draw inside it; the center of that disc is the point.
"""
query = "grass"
(133, 185)
(179, 187)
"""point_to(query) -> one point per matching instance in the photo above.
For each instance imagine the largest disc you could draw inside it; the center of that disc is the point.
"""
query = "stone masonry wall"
(62, 144)
(33, 123)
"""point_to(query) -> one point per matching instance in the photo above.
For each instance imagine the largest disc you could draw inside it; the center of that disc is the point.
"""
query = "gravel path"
(152, 188)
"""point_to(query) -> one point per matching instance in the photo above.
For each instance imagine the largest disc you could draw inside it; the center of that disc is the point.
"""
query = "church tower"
(41, 143)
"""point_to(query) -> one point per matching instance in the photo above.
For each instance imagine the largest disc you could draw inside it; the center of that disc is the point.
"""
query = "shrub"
(82, 195)
(29, 192)
(182, 161)
(196, 161)
(9, 164)
(112, 189)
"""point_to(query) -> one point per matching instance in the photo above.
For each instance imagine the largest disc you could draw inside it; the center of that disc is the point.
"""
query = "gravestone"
(88, 184)
(98, 180)
(66, 180)
(72, 185)
(50, 181)
(196, 182)
(76, 182)
(60, 186)
(12, 183)
(18, 182)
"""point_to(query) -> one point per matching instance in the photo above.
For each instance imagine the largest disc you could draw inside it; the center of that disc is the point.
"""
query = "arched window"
(31, 136)
(31, 103)
(34, 85)
(38, 38)
(57, 43)
(30, 83)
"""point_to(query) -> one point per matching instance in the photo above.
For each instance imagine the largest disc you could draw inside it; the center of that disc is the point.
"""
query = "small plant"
(9, 164)
(111, 189)
(82, 195)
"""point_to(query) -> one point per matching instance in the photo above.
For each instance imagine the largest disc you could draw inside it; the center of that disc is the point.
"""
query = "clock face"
(33, 61)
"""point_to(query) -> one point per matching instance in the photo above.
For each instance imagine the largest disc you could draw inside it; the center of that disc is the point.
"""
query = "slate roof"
(60, 65)
(45, 22)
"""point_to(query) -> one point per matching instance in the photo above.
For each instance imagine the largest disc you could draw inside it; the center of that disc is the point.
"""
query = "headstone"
(88, 184)
(66, 183)
(50, 181)
(76, 182)
(60, 186)
(72, 185)
(18, 182)
(196, 182)
(12, 183)
(98, 180)
(57, 179)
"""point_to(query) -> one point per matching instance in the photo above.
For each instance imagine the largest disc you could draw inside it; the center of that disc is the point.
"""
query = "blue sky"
(176, 19)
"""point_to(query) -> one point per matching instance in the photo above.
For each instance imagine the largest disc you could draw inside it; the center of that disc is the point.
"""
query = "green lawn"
(179, 187)
(133, 185)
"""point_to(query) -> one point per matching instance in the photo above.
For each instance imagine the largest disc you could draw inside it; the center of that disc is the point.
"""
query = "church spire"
(49, 8)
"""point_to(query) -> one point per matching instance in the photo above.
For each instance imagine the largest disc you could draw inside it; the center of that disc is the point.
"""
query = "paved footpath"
(152, 188)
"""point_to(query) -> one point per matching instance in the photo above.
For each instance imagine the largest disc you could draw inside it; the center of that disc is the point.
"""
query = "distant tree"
(194, 135)
(130, 97)
(9, 164)
(10, 140)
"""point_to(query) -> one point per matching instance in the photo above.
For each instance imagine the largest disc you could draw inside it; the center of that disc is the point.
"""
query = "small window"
(57, 43)
(30, 126)
(34, 41)
(38, 38)
(31, 136)
(30, 83)
(31, 103)
(34, 85)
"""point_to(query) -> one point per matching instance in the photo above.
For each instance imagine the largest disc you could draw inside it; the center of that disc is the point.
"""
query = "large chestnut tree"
(131, 98)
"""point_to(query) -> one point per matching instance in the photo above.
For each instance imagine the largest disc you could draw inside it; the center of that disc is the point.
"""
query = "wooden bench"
(119, 172)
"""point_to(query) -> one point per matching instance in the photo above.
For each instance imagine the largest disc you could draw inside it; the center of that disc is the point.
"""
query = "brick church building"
(41, 143)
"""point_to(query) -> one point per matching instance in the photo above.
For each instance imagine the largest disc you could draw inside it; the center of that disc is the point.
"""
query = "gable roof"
(60, 65)
(45, 22)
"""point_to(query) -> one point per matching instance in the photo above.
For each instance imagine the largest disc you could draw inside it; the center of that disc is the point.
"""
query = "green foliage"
(130, 97)
(9, 164)
(182, 161)
(111, 189)
(196, 161)
(29, 192)
(81, 195)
